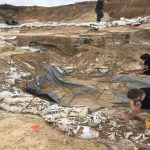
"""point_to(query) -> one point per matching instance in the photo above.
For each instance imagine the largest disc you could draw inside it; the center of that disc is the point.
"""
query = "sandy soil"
(17, 132)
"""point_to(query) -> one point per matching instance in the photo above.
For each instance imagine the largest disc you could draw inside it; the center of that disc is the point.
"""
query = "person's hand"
(135, 109)
(125, 117)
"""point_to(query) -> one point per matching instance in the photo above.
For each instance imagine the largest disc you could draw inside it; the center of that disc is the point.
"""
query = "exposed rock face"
(140, 38)
(73, 44)
(89, 54)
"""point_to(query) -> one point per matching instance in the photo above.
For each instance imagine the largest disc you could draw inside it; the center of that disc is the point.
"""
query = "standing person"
(99, 9)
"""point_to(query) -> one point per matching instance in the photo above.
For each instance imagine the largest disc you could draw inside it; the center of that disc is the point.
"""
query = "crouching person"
(137, 96)
(141, 96)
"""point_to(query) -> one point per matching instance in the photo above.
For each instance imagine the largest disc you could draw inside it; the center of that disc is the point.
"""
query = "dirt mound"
(128, 8)
(66, 13)
(75, 12)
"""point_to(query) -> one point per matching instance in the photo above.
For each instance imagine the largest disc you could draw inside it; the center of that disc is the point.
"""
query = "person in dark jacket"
(146, 58)
(139, 95)
(99, 9)
(139, 102)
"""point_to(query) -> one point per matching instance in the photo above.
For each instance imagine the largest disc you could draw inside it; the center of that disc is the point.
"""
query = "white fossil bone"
(113, 123)
(147, 132)
(85, 132)
(144, 138)
(5, 94)
(8, 108)
(130, 142)
(128, 134)
(96, 118)
(66, 124)
(17, 100)
(138, 137)
(112, 137)
(54, 112)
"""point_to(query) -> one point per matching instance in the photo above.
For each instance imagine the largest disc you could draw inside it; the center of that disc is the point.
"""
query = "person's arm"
(145, 68)
(105, 1)
(133, 106)
(125, 117)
